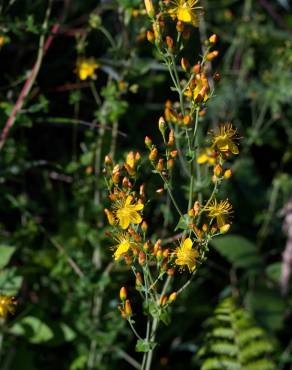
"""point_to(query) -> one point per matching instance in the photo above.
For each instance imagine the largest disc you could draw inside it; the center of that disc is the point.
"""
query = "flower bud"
(148, 142)
(160, 191)
(224, 228)
(216, 76)
(108, 161)
(160, 165)
(170, 164)
(173, 153)
(196, 68)
(213, 39)
(141, 258)
(116, 177)
(205, 228)
(187, 120)
(217, 170)
(185, 64)
(122, 311)
(172, 297)
(123, 293)
(212, 55)
(165, 253)
(144, 226)
(227, 174)
(110, 216)
(163, 300)
(171, 138)
(153, 154)
(146, 247)
(170, 272)
(150, 36)
(128, 309)
(162, 125)
(139, 280)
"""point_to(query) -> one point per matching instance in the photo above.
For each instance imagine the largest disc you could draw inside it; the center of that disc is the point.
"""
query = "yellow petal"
(187, 244)
(135, 218)
(184, 15)
(124, 221)
(128, 200)
(122, 248)
(203, 158)
(233, 148)
(138, 207)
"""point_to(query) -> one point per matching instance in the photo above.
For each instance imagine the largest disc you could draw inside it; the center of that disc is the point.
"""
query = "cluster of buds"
(125, 305)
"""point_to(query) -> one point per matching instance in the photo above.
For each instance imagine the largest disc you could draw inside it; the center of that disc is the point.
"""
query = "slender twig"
(42, 49)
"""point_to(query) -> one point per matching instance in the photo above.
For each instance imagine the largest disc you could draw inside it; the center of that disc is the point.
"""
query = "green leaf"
(165, 316)
(183, 223)
(144, 345)
(33, 329)
(273, 271)
(10, 282)
(5, 254)
(239, 251)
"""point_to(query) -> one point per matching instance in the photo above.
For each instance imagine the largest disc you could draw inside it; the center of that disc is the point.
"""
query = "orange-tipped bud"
(146, 246)
(150, 36)
(205, 228)
(110, 216)
(123, 293)
(149, 8)
(157, 246)
(180, 26)
(116, 177)
(165, 253)
(187, 120)
(227, 174)
(153, 154)
(171, 138)
(148, 142)
(197, 207)
(142, 191)
(160, 165)
(122, 311)
(128, 309)
(202, 113)
(173, 153)
(185, 64)
(128, 259)
(144, 226)
(142, 258)
(163, 300)
(213, 39)
(191, 213)
(172, 297)
(139, 280)
(212, 55)
(217, 170)
(170, 164)
(159, 255)
(169, 42)
(197, 68)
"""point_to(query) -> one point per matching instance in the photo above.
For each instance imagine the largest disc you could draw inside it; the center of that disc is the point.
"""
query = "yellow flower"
(123, 245)
(198, 88)
(207, 155)
(86, 67)
(7, 305)
(127, 213)
(220, 211)
(186, 255)
(185, 11)
(223, 141)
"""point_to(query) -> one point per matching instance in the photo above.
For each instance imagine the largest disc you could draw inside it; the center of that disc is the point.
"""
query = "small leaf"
(33, 329)
(165, 316)
(5, 254)
(183, 223)
(144, 345)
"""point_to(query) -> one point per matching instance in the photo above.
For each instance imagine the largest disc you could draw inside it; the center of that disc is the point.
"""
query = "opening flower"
(126, 213)
(220, 211)
(207, 155)
(223, 141)
(198, 89)
(85, 68)
(185, 11)
(123, 245)
(186, 255)
(7, 305)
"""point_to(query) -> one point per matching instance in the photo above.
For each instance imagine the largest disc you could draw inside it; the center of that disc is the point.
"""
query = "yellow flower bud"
(172, 297)
(170, 164)
(108, 161)
(212, 55)
(153, 154)
(148, 142)
(227, 174)
(163, 300)
(123, 293)
(224, 228)
(187, 120)
(217, 170)
(160, 165)
(213, 39)
(169, 42)
(185, 64)
(150, 36)
(171, 138)
(110, 216)
(128, 309)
